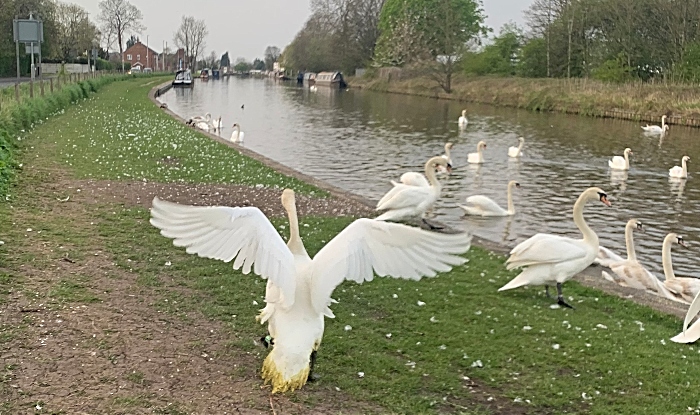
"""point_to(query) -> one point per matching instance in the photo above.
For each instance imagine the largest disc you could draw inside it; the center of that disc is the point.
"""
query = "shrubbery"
(14, 119)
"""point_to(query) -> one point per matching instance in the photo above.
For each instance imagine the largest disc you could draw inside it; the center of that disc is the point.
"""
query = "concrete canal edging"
(591, 277)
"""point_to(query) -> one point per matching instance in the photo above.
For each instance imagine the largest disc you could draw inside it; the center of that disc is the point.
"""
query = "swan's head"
(464, 113)
(514, 183)
(674, 237)
(288, 200)
(434, 162)
(448, 146)
(686, 158)
(663, 117)
(521, 139)
(628, 151)
(235, 125)
(481, 145)
(598, 193)
(637, 225)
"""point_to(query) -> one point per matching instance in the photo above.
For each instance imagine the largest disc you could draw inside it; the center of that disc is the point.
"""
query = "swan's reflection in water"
(677, 186)
(618, 178)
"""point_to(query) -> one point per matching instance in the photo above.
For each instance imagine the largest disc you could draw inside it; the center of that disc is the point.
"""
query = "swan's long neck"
(629, 241)
(511, 206)
(520, 147)
(685, 166)
(663, 122)
(447, 153)
(430, 174)
(589, 236)
(627, 159)
(295, 243)
(666, 259)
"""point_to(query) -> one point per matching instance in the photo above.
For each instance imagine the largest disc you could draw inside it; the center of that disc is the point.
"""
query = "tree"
(132, 41)
(259, 64)
(211, 61)
(191, 36)
(272, 53)
(76, 33)
(441, 30)
(119, 17)
(242, 65)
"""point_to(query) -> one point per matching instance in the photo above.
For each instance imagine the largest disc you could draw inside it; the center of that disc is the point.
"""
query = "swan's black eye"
(517, 185)
(602, 195)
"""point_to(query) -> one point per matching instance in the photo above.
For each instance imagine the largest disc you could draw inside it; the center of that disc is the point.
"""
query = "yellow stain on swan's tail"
(271, 374)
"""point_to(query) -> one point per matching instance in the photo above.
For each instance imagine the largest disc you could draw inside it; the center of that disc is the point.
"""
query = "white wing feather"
(402, 196)
(607, 257)
(545, 248)
(368, 246)
(225, 233)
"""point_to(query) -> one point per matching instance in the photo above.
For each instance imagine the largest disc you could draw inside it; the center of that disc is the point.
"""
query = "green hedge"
(16, 119)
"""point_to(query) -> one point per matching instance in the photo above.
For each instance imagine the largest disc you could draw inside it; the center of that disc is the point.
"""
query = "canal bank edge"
(540, 100)
(591, 277)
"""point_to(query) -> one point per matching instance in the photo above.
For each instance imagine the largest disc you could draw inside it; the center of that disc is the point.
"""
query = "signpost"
(31, 33)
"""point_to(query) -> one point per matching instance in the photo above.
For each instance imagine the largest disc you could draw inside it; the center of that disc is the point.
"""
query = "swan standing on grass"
(552, 259)
(299, 288)
(655, 129)
(478, 157)
(692, 334)
(683, 287)
(463, 121)
(680, 172)
(480, 205)
(405, 201)
(629, 272)
(621, 163)
(237, 134)
(516, 151)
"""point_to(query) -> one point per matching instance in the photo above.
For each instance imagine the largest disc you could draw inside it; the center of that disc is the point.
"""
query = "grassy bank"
(451, 344)
(636, 101)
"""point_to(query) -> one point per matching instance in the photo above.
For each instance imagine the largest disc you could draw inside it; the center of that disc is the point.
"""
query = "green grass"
(120, 134)
(609, 356)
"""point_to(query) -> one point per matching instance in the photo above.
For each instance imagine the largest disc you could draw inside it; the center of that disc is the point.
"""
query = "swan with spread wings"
(299, 288)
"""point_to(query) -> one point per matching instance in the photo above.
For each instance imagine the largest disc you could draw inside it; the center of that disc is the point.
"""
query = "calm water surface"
(359, 140)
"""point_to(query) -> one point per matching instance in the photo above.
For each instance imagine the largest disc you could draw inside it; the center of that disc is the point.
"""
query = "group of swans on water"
(623, 163)
(206, 123)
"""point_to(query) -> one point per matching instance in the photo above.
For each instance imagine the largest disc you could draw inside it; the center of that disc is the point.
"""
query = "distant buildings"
(140, 56)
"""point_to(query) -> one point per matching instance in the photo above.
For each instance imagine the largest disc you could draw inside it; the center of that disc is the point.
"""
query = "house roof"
(151, 51)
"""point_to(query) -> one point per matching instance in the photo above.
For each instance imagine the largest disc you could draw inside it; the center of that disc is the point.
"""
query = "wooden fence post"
(51, 85)
(41, 86)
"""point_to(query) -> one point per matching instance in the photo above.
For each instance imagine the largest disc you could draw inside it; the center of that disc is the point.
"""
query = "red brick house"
(138, 55)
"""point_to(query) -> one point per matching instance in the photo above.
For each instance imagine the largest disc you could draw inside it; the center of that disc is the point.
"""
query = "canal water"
(360, 140)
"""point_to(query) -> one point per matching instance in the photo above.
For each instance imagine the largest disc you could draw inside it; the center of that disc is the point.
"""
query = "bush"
(612, 70)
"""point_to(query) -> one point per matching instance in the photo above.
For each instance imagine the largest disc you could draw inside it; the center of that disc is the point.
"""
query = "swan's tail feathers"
(286, 370)
(610, 163)
(608, 277)
(524, 278)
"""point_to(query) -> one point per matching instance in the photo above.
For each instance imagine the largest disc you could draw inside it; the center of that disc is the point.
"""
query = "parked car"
(147, 70)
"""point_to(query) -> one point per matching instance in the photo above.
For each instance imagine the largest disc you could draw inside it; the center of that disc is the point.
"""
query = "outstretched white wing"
(369, 246)
(225, 233)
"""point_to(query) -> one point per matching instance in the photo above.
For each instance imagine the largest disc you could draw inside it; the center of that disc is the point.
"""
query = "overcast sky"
(246, 27)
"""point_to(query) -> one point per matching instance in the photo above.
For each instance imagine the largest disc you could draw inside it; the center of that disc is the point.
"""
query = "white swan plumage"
(480, 205)
(621, 162)
(237, 135)
(606, 257)
(680, 172)
(447, 156)
(412, 178)
(478, 157)
(684, 287)
(655, 129)
(553, 259)
(462, 120)
(517, 151)
(692, 334)
(206, 117)
(299, 288)
(406, 201)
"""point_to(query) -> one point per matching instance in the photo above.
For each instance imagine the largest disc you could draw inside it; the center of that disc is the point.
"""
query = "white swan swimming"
(684, 287)
(516, 151)
(405, 201)
(299, 288)
(630, 272)
(680, 172)
(553, 259)
(446, 156)
(218, 124)
(620, 162)
(655, 129)
(479, 205)
(237, 135)
(478, 157)
(206, 117)
(692, 334)
(462, 120)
